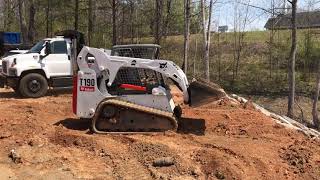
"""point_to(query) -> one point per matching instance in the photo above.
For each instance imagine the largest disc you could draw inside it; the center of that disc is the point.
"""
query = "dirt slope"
(238, 143)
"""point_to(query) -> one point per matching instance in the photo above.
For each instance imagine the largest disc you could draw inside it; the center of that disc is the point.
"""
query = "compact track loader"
(125, 94)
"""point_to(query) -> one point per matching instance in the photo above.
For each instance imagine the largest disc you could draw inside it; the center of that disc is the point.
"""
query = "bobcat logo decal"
(163, 65)
(133, 63)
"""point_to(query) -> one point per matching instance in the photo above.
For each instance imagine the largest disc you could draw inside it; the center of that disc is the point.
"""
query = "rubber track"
(136, 107)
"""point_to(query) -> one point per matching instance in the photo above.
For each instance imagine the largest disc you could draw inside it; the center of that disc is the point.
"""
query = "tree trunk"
(158, 20)
(186, 34)
(315, 116)
(31, 28)
(235, 45)
(292, 59)
(271, 34)
(22, 23)
(219, 58)
(207, 49)
(132, 21)
(90, 24)
(203, 17)
(238, 51)
(206, 37)
(235, 49)
(114, 22)
(166, 23)
(8, 12)
(5, 12)
(195, 57)
(122, 25)
(51, 23)
(76, 15)
(47, 18)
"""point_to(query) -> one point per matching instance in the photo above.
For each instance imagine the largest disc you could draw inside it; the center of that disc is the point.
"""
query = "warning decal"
(87, 88)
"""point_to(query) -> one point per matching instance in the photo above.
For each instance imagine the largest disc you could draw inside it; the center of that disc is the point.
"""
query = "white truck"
(46, 64)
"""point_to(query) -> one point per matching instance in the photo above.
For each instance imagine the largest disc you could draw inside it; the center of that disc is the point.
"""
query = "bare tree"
(31, 28)
(219, 56)
(240, 22)
(123, 21)
(89, 22)
(271, 38)
(168, 16)
(203, 17)
(114, 22)
(23, 27)
(76, 15)
(132, 8)
(5, 15)
(206, 35)
(315, 115)
(292, 59)
(47, 17)
(186, 34)
(8, 22)
(207, 46)
(158, 21)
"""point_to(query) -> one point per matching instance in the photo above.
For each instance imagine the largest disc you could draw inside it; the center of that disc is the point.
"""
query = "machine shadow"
(9, 95)
(57, 92)
(186, 125)
(74, 124)
(192, 126)
(51, 92)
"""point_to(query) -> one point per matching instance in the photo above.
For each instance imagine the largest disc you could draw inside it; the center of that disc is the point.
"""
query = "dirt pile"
(299, 158)
(234, 142)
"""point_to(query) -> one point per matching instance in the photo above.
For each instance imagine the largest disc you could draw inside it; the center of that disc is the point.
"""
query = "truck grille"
(4, 67)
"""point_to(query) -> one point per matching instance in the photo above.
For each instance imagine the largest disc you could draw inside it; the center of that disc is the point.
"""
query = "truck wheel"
(33, 85)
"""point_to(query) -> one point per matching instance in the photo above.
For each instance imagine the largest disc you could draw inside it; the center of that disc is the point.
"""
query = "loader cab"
(144, 51)
(137, 76)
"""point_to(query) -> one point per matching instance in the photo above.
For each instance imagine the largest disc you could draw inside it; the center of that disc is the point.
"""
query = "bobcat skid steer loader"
(127, 95)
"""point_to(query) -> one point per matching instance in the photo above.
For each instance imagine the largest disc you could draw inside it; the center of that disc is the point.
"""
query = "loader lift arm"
(112, 64)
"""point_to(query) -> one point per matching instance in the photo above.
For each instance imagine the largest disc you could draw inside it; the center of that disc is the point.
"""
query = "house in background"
(223, 29)
(305, 20)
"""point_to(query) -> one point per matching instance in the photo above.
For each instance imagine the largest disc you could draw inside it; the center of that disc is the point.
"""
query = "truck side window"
(59, 47)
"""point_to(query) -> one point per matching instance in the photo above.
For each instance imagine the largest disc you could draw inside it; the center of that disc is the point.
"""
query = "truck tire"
(33, 85)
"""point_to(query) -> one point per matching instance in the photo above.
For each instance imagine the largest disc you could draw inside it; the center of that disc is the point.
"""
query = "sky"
(224, 12)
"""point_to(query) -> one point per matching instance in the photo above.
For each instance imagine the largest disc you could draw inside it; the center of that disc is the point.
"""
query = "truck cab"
(46, 64)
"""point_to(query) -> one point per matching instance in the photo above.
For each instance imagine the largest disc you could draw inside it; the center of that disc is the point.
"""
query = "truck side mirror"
(48, 48)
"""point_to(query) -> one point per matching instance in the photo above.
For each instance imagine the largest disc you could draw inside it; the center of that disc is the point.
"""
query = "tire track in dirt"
(115, 155)
(125, 165)
(147, 151)
(226, 161)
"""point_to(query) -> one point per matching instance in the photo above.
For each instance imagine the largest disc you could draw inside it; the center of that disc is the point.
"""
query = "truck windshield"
(37, 48)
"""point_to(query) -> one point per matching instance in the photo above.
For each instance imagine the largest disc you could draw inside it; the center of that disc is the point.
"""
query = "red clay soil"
(237, 143)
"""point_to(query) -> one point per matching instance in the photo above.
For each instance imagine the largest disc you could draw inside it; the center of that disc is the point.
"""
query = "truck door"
(58, 62)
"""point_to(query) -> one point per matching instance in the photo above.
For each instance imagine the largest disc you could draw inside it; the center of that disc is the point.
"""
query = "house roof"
(304, 20)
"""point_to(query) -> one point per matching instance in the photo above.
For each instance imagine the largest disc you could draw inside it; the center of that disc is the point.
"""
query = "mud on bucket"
(202, 92)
